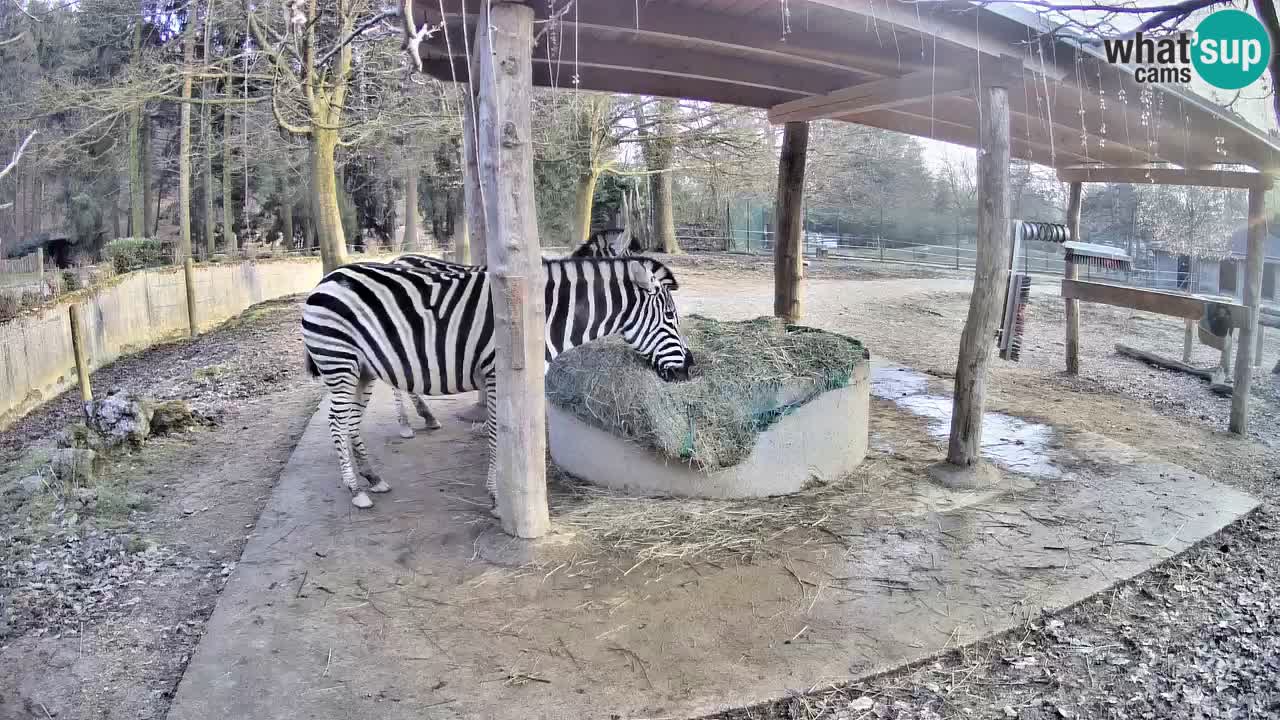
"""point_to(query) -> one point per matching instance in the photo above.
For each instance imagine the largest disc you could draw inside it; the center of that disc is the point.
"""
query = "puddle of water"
(1010, 442)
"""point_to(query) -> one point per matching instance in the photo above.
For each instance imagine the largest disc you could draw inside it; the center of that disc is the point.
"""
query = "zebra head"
(654, 328)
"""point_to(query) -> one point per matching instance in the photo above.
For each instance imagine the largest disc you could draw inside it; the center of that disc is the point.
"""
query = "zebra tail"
(312, 370)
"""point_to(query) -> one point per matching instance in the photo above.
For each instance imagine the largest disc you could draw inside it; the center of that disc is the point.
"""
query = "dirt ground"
(99, 612)
(1196, 638)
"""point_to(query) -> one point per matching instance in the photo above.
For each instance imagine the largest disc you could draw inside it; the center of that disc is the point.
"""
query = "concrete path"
(420, 609)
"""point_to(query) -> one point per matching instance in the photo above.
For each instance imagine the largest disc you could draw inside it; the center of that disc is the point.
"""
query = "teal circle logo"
(1231, 49)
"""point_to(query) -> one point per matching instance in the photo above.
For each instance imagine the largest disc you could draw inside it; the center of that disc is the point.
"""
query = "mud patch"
(1012, 443)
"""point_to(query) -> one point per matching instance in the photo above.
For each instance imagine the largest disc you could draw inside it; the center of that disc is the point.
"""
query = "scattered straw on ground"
(645, 529)
(747, 375)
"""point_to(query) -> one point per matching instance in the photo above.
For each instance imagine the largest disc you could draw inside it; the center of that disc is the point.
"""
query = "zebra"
(432, 333)
(611, 242)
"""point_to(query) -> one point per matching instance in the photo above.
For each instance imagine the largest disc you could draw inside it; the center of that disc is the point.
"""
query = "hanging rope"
(244, 146)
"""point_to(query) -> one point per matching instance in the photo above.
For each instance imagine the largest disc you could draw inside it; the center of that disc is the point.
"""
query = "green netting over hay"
(748, 374)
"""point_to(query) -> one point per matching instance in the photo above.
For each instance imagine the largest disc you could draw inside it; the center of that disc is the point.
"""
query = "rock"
(78, 435)
(23, 489)
(171, 416)
(76, 467)
(120, 419)
(31, 484)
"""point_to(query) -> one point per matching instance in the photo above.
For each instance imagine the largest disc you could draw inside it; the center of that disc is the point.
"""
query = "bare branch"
(17, 155)
(359, 30)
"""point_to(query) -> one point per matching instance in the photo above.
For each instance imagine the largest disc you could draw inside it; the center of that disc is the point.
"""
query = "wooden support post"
(189, 277)
(40, 264)
(1069, 272)
(474, 252)
(505, 162)
(788, 248)
(1253, 300)
(81, 353)
(1224, 364)
(1187, 339)
(965, 443)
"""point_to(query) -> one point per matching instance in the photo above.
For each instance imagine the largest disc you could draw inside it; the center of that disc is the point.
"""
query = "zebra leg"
(420, 404)
(402, 416)
(363, 465)
(344, 406)
(491, 429)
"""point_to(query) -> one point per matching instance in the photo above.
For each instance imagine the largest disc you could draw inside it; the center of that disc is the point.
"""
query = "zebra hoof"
(432, 424)
(361, 500)
(381, 487)
(406, 433)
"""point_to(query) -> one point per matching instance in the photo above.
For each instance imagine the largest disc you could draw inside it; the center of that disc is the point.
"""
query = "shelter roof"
(909, 67)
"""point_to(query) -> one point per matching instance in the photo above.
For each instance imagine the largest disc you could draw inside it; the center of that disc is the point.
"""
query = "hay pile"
(748, 374)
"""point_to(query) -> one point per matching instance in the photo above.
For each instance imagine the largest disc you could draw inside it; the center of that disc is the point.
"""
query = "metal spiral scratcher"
(1018, 286)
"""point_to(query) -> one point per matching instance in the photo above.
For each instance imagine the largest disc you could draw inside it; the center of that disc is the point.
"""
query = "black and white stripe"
(431, 333)
(605, 243)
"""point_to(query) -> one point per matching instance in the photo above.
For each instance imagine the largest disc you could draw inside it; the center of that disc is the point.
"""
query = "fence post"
(78, 348)
(189, 272)
(40, 263)
(880, 244)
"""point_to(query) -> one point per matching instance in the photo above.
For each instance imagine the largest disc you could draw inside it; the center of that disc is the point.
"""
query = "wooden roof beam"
(1167, 176)
(634, 55)
(950, 131)
(875, 95)
(624, 80)
(708, 30)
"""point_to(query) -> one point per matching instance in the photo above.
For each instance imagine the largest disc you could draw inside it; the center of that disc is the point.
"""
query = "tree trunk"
(37, 203)
(582, 206)
(228, 200)
(520, 413)
(472, 248)
(184, 142)
(664, 219)
(324, 182)
(1252, 296)
(1070, 272)
(313, 231)
(411, 207)
(206, 135)
(788, 251)
(984, 303)
(286, 219)
(137, 198)
(115, 213)
(144, 137)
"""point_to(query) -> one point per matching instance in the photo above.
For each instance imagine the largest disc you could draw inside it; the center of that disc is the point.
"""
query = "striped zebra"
(606, 243)
(431, 333)
(613, 242)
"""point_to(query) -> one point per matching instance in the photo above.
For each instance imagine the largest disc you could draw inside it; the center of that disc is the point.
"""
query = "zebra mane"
(661, 272)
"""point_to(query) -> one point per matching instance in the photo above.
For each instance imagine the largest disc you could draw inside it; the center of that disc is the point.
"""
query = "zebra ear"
(641, 275)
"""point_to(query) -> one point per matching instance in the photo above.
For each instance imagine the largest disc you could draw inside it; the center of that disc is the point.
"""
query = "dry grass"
(748, 374)
(647, 529)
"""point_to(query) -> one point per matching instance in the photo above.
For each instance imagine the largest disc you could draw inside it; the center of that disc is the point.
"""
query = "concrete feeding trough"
(750, 423)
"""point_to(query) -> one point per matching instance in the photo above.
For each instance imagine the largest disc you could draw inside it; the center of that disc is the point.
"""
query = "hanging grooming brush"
(1017, 292)
(1014, 322)
(1082, 254)
(1098, 257)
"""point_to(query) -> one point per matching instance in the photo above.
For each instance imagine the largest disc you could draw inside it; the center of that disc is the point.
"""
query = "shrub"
(9, 306)
(71, 280)
(128, 254)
